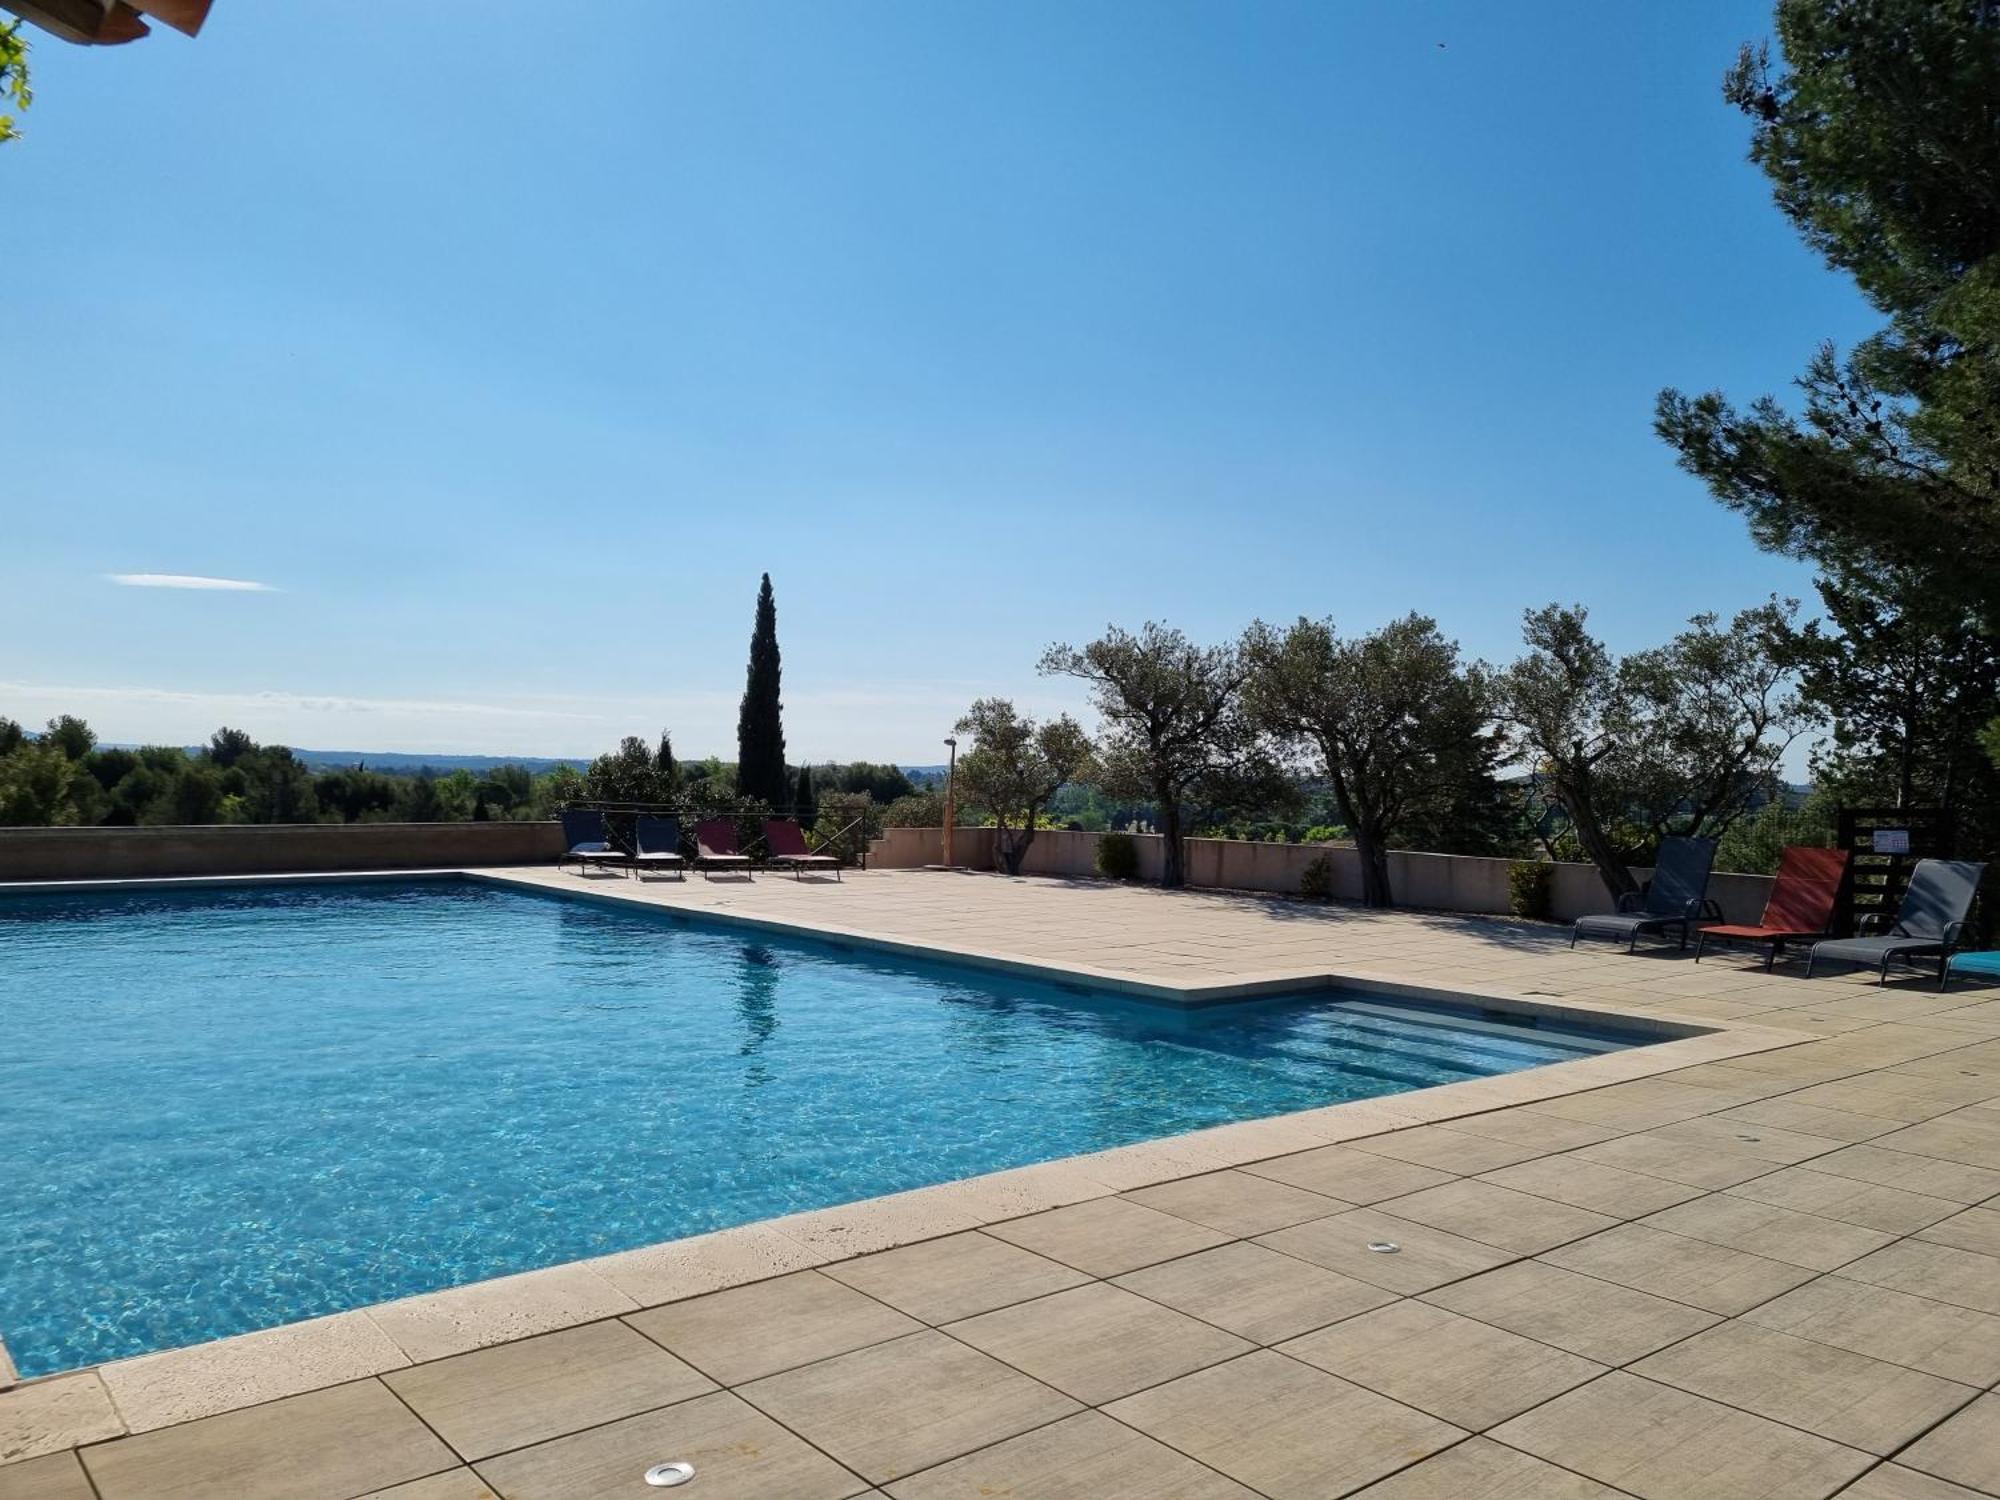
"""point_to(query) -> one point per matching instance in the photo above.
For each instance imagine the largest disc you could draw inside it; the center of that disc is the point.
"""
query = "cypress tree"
(760, 733)
(665, 768)
(805, 805)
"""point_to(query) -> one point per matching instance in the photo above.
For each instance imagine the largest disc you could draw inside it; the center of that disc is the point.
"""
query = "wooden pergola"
(108, 22)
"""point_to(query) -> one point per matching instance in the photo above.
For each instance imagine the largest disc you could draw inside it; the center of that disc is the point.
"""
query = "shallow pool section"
(225, 1110)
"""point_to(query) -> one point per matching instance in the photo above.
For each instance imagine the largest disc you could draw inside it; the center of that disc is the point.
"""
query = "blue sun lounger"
(586, 842)
(656, 845)
(1983, 965)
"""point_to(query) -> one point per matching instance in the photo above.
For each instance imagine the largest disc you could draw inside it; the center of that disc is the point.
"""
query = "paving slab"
(1480, 1469)
(1851, 1398)
(55, 1476)
(1350, 1174)
(1446, 1150)
(1938, 1338)
(1254, 1292)
(1468, 1373)
(1286, 1430)
(1965, 1450)
(1108, 1236)
(1943, 1273)
(758, 1330)
(1611, 1191)
(1782, 1234)
(1527, 1125)
(1664, 1444)
(1098, 1342)
(897, 1408)
(1972, 1229)
(1585, 1315)
(1849, 1200)
(1894, 1482)
(515, 1395)
(1398, 1255)
(326, 1445)
(738, 1453)
(940, 1281)
(1704, 1275)
(453, 1484)
(1498, 1216)
(1084, 1457)
(1237, 1203)
(1915, 1174)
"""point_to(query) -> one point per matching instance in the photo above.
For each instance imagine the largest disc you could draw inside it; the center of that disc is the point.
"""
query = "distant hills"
(410, 763)
(405, 762)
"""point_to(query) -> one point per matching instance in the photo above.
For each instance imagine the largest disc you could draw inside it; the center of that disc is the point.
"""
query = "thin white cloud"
(282, 702)
(841, 722)
(188, 581)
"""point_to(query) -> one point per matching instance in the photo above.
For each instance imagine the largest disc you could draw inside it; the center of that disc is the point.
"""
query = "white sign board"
(1892, 841)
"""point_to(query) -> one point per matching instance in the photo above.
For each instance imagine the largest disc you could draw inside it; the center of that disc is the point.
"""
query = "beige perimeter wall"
(1441, 882)
(266, 849)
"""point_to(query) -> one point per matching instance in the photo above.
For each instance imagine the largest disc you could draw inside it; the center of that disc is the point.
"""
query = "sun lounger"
(1928, 924)
(585, 840)
(657, 845)
(715, 847)
(1983, 965)
(786, 843)
(1674, 899)
(1800, 906)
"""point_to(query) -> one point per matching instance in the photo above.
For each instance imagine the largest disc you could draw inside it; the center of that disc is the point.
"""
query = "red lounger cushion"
(1802, 897)
(1808, 884)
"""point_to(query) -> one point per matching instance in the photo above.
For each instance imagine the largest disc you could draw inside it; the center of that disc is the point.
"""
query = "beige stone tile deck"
(1812, 1295)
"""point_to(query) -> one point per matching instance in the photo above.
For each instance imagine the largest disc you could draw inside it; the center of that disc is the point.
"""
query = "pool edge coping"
(165, 1388)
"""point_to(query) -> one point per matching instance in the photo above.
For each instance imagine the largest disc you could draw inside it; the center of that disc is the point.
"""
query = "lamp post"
(950, 797)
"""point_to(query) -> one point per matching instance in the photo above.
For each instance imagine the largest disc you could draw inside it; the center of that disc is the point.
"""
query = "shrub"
(1316, 880)
(1530, 888)
(923, 809)
(1117, 856)
(847, 821)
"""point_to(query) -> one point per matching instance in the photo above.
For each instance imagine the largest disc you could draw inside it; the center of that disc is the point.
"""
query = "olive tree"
(1015, 766)
(1175, 729)
(1685, 738)
(1395, 722)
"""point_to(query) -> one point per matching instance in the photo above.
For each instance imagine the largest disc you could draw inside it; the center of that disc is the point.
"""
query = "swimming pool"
(224, 1110)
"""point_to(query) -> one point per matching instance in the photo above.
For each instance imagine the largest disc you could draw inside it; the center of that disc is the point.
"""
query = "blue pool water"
(226, 1110)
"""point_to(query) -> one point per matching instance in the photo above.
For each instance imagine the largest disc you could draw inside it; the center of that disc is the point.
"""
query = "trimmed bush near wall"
(1117, 856)
(1316, 880)
(1531, 888)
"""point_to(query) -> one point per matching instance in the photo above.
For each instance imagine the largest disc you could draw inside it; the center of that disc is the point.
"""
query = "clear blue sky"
(508, 350)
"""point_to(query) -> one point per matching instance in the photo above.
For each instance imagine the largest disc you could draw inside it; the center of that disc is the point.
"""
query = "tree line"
(63, 777)
(1569, 751)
